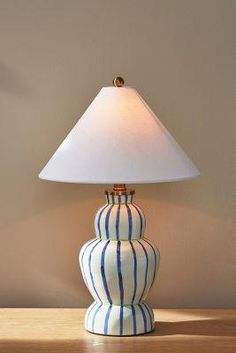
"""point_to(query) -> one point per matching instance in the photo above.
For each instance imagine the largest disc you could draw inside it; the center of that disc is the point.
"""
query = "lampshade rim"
(151, 181)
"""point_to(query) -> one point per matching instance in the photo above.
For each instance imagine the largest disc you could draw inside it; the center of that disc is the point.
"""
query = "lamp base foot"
(116, 320)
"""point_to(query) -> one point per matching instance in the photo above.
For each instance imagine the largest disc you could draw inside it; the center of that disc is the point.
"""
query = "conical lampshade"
(118, 140)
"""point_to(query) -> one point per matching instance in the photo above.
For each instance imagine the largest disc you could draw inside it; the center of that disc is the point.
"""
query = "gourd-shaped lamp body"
(119, 267)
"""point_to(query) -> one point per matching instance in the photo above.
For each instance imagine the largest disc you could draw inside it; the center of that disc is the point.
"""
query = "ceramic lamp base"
(119, 268)
(136, 319)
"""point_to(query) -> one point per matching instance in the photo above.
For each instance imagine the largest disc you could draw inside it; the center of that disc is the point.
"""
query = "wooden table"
(62, 330)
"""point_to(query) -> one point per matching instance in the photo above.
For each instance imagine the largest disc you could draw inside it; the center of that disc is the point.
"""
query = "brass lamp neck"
(119, 189)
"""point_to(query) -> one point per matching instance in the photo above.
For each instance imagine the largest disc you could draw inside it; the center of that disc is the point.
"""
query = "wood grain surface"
(62, 330)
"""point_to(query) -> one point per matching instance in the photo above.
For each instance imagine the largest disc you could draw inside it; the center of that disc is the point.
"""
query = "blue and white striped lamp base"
(119, 268)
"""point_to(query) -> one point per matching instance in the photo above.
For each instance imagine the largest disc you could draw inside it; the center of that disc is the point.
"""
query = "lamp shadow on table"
(208, 327)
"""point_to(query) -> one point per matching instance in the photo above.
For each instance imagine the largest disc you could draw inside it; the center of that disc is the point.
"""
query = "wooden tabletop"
(62, 330)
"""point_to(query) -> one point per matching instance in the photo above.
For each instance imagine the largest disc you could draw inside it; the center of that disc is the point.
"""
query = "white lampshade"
(118, 140)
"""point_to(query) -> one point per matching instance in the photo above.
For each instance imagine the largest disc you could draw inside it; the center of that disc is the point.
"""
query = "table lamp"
(119, 140)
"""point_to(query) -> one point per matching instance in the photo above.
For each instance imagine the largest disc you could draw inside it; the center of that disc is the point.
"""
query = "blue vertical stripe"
(140, 218)
(107, 221)
(103, 273)
(149, 314)
(134, 319)
(121, 288)
(155, 259)
(90, 269)
(144, 317)
(107, 319)
(135, 287)
(94, 316)
(129, 217)
(99, 220)
(118, 218)
(146, 270)
(82, 260)
(135, 270)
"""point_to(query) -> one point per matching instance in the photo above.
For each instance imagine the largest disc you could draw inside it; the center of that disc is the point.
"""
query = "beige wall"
(54, 57)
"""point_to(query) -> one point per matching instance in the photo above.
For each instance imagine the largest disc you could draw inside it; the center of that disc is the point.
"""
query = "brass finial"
(118, 81)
